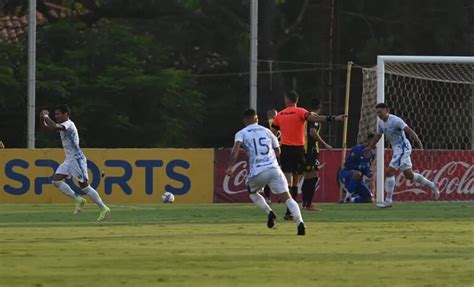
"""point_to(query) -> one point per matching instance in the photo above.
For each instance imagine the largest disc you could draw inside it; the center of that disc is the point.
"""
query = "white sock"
(94, 195)
(422, 180)
(260, 202)
(295, 210)
(389, 187)
(62, 186)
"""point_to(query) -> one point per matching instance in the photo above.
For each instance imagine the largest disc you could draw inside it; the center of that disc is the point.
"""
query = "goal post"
(416, 86)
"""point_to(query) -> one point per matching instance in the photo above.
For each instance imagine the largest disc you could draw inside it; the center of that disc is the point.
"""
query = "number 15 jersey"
(259, 143)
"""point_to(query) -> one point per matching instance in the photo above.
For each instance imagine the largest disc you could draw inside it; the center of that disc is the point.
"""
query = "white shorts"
(76, 168)
(272, 177)
(401, 159)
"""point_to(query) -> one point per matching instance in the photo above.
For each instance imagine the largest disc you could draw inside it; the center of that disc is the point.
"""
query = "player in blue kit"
(357, 165)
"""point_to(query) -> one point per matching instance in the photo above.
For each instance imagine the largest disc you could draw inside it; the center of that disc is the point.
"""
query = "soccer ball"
(167, 197)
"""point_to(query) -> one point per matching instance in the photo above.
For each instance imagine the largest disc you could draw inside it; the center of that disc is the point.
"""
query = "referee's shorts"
(292, 159)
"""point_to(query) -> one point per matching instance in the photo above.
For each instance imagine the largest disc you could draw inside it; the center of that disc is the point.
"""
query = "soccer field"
(412, 244)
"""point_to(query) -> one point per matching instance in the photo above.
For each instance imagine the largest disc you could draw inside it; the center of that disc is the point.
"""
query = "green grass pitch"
(412, 244)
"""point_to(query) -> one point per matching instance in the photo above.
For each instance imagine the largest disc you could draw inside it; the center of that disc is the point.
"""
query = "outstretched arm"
(413, 136)
(318, 118)
(233, 157)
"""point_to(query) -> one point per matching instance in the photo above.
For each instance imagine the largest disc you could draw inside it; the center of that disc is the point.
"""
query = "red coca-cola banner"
(453, 170)
(233, 189)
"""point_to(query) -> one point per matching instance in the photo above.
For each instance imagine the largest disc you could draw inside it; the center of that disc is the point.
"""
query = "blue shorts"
(345, 176)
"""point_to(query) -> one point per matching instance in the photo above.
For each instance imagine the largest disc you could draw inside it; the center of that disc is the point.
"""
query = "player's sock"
(294, 195)
(422, 180)
(266, 191)
(64, 188)
(309, 185)
(294, 192)
(295, 210)
(94, 195)
(260, 202)
(389, 187)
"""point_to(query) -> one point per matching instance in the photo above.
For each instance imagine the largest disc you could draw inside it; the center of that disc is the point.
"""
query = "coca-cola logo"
(453, 177)
(236, 183)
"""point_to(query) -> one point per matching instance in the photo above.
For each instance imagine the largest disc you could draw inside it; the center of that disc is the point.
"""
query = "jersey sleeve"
(401, 124)
(67, 125)
(239, 137)
(303, 113)
(274, 140)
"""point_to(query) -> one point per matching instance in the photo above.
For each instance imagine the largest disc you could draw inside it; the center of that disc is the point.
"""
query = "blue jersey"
(357, 161)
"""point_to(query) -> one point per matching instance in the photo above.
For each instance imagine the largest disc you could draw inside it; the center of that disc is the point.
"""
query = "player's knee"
(284, 196)
(356, 175)
(83, 185)
(56, 183)
(408, 174)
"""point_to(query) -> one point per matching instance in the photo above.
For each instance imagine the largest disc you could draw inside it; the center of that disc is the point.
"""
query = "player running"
(75, 164)
(394, 128)
(356, 166)
(262, 149)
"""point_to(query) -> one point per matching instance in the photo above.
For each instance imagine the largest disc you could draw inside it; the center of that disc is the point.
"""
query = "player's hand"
(329, 147)
(43, 113)
(367, 152)
(229, 171)
(340, 118)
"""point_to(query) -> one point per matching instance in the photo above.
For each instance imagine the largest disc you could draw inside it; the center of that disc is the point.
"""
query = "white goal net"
(435, 97)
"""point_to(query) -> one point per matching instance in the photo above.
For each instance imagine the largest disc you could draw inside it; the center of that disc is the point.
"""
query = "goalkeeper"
(356, 166)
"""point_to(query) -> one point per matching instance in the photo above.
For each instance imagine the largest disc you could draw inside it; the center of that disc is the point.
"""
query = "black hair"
(315, 104)
(292, 96)
(250, 114)
(63, 108)
(370, 136)
(382, 106)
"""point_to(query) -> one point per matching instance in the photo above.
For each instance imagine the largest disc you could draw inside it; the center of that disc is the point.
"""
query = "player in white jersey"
(394, 128)
(75, 164)
(262, 149)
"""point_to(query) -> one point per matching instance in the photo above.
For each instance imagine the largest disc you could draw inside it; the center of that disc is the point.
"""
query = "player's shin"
(389, 187)
(64, 188)
(260, 202)
(309, 185)
(422, 180)
(94, 195)
(294, 209)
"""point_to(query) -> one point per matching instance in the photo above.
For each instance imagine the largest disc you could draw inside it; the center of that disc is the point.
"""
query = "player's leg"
(289, 168)
(266, 192)
(57, 181)
(390, 176)
(310, 181)
(278, 186)
(361, 191)
(255, 185)
(62, 173)
(407, 170)
(79, 171)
